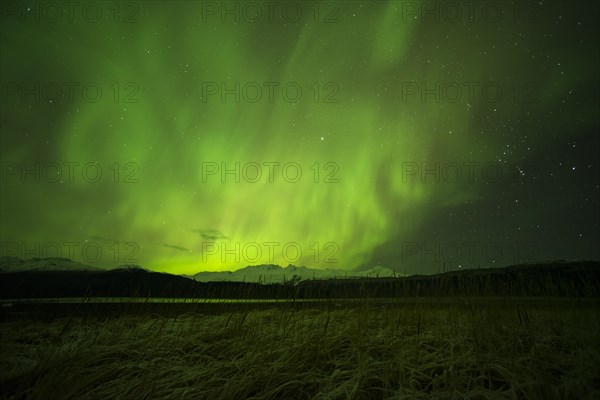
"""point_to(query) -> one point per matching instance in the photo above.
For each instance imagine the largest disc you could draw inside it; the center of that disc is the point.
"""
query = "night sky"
(385, 134)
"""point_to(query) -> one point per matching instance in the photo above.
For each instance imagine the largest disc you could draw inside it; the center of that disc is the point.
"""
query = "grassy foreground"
(410, 351)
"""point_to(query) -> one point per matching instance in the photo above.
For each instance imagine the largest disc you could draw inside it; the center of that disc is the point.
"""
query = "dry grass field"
(467, 349)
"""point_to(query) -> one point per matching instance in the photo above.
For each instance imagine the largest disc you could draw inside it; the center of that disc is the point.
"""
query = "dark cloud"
(178, 248)
(210, 234)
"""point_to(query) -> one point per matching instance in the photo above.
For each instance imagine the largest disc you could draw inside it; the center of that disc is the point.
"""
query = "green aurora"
(357, 131)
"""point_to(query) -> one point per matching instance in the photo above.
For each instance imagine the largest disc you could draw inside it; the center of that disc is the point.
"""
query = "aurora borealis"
(355, 133)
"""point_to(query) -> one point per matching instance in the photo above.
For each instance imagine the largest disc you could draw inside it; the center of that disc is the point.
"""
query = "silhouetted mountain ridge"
(563, 278)
(270, 273)
(15, 264)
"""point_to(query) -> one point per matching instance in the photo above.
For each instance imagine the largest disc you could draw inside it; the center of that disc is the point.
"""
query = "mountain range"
(62, 278)
(16, 264)
(275, 274)
(267, 273)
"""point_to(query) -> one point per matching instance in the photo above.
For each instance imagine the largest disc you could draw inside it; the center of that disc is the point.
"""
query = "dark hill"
(572, 279)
